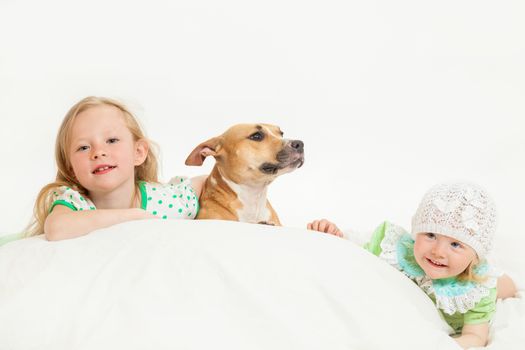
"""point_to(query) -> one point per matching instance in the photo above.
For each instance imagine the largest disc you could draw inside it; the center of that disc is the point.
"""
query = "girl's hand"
(143, 214)
(325, 226)
(64, 223)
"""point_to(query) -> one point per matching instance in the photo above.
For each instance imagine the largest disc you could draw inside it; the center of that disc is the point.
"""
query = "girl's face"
(442, 256)
(102, 151)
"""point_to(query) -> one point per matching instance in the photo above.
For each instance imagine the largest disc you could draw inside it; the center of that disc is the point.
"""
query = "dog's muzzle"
(291, 156)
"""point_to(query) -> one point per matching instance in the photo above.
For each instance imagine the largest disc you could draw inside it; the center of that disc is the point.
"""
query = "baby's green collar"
(405, 257)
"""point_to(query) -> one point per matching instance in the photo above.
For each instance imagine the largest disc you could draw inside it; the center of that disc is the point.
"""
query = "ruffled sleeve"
(374, 245)
(72, 199)
(189, 203)
(481, 312)
(393, 244)
(484, 310)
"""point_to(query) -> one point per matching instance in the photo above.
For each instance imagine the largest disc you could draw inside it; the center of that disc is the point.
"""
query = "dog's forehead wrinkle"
(269, 130)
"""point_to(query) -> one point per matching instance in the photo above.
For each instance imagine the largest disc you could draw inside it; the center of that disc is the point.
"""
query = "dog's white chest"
(253, 200)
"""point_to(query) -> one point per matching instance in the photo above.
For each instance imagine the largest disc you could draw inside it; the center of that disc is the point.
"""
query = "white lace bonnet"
(463, 211)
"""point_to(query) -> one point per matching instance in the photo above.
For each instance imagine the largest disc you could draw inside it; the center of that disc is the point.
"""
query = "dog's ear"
(205, 149)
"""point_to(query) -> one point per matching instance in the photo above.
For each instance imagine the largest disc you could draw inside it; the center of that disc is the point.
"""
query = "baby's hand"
(325, 226)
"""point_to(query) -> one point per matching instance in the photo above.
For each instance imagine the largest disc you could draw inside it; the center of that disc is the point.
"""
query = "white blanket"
(216, 285)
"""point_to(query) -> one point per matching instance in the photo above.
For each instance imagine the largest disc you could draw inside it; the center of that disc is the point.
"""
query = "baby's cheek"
(417, 246)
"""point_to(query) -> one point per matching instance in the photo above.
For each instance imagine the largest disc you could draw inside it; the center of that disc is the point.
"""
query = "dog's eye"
(258, 136)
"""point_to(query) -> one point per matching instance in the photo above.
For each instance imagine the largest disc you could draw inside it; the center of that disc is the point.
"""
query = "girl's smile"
(103, 169)
(435, 263)
(441, 256)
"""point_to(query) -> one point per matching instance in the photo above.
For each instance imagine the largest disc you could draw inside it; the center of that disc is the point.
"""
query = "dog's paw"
(266, 223)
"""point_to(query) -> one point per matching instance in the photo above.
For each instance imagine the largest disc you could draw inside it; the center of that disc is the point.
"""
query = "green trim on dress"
(143, 195)
(62, 202)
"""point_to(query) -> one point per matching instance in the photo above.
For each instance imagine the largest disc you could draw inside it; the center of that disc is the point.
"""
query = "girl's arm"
(473, 335)
(197, 183)
(64, 223)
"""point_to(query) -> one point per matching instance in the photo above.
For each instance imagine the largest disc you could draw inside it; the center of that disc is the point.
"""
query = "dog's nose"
(297, 145)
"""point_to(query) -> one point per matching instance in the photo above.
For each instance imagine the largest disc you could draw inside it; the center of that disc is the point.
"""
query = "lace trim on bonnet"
(450, 294)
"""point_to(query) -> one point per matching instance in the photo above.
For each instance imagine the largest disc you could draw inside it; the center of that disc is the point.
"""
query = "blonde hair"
(147, 171)
(470, 274)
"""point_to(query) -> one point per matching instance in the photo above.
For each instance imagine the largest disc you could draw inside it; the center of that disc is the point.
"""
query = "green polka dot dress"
(174, 200)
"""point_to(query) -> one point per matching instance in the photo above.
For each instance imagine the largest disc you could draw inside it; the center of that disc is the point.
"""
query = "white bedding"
(217, 285)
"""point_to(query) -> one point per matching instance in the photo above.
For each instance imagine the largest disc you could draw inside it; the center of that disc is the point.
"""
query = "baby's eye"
(455, 245)
(113, 140)
(430, 235)
(82, 148)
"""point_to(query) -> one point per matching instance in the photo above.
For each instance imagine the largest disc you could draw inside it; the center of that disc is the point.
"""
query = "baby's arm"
(473, 335)
(506, 287)
(64, 223)
(325, 226)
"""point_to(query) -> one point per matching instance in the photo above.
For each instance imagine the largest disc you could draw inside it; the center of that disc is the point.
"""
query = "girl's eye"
(258, 136)
(455, 245)
(431, 235)
(82, 148)
(113, 140)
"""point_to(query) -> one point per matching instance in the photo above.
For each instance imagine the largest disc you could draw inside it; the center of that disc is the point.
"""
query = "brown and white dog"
(248, 157)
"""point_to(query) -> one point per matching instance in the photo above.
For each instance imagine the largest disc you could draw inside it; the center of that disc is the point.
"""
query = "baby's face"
(442, 256)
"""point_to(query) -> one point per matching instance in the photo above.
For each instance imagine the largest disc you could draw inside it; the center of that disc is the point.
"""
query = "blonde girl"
(106, 174)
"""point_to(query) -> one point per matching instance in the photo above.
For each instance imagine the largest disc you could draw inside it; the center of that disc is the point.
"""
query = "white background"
(389, 97)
